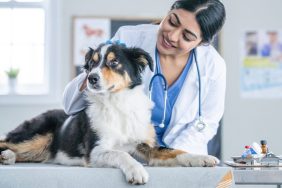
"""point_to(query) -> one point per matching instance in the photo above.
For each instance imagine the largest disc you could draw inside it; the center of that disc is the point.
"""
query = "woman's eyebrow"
(186, 30)
(190, 32)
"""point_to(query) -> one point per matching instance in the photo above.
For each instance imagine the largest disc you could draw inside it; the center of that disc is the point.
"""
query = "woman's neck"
(177, 61)
(172, 66)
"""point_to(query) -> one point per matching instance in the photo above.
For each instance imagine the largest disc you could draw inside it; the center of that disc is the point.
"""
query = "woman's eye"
(172, 23)
(186, 38)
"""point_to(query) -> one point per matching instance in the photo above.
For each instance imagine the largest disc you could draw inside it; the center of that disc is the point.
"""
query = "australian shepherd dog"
(113, 131)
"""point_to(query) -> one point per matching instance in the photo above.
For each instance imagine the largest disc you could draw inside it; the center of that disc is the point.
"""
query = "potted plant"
(12, 74)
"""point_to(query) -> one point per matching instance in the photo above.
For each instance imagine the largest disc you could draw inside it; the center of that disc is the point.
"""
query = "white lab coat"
(181, 134)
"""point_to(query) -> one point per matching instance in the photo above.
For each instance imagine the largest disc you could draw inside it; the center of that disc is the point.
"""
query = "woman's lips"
(166, 44)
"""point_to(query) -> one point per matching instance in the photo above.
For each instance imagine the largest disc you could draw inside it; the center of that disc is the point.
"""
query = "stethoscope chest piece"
(161, 125)
(200, 125)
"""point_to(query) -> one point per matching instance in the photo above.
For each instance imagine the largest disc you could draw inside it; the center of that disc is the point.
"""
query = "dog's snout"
(93, 78)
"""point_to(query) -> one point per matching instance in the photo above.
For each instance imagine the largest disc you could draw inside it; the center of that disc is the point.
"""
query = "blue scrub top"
(158, 98)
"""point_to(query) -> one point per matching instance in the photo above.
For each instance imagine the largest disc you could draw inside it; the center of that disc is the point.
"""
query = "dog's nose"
(93, 78)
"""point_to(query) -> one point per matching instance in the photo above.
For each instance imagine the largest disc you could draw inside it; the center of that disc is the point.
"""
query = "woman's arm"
(74, 99)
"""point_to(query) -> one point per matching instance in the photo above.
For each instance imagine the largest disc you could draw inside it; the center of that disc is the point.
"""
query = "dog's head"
(114, 67)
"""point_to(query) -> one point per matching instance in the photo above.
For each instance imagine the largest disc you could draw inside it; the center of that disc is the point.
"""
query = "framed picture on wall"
(90, 31)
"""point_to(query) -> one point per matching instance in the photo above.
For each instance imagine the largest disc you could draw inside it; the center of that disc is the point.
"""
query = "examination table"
(36, 175)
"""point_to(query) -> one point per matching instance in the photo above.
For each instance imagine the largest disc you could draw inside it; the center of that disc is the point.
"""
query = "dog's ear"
(141, 57)
(88, 58)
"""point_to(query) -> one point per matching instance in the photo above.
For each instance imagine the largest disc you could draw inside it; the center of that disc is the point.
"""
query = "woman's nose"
(174, 35)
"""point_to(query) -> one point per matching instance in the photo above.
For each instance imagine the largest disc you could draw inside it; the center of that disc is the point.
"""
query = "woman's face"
(179, 33)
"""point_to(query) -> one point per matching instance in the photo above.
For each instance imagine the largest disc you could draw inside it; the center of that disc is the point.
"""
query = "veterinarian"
(182, 38)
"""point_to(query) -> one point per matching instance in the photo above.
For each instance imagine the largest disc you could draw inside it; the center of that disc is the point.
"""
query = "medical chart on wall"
(261, 64)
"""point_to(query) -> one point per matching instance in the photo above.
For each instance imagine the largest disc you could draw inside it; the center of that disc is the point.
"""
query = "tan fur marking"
(112, 78)
(166, 154)
(111, 56)
(150, 153)
(96, 57)
(142, 60)
(36, 150)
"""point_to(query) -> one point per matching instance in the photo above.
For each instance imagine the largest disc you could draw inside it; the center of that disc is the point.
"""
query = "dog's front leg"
(160, 156)
(134, 172)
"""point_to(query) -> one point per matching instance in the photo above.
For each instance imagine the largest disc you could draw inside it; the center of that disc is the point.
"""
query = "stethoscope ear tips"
(161, 125)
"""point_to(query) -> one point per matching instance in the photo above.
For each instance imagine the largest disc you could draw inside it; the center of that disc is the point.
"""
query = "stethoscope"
(199, 124)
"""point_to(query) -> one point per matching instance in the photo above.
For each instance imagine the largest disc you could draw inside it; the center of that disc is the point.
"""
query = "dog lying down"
(110, 132)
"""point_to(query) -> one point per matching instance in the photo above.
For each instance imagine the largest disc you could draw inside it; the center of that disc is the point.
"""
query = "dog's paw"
(136, 174)
(193, 160)
(8, 157)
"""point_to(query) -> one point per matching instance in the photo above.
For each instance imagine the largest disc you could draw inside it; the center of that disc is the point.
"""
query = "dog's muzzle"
(94, 79)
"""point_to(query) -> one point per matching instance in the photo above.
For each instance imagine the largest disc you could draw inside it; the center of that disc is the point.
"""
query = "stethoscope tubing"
(199, 81)
(200, 125)
(165, 94)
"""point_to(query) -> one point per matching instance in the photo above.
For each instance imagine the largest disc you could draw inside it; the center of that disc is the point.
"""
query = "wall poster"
(261, 64)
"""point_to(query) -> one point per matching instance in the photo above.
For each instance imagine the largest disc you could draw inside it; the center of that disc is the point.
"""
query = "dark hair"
(210, 15)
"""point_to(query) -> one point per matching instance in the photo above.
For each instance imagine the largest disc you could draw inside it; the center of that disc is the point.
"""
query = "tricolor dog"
(112, 131)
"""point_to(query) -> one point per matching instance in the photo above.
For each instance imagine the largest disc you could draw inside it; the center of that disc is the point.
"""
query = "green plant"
(13, 72)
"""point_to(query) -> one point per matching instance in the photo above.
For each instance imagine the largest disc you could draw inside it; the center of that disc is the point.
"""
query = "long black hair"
(210, 15)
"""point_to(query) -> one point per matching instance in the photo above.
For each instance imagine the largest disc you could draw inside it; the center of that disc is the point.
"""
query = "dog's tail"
(3, 144)
(34, 150)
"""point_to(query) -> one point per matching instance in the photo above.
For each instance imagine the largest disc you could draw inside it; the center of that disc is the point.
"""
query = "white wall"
(248, 120)
(245, 120)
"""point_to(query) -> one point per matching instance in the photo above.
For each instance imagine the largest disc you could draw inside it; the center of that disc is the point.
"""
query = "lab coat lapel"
(186, 105)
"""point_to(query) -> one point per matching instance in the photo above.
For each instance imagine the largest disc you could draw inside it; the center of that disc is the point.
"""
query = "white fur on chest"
(121, 118)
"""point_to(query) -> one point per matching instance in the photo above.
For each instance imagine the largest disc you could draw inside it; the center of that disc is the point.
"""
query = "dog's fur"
(113, 128)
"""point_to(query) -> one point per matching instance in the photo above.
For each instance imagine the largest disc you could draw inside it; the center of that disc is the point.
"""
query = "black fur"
(48, 122)
(70, 134)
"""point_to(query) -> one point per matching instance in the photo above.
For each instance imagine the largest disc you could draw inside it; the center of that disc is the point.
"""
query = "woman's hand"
(84, 84)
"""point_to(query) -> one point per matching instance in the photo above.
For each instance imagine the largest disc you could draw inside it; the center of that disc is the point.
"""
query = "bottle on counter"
(247, 153)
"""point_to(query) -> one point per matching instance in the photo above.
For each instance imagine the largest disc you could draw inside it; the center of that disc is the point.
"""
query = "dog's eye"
(112, 63)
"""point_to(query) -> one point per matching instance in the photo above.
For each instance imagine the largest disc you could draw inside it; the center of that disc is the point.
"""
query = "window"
(23, 47)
